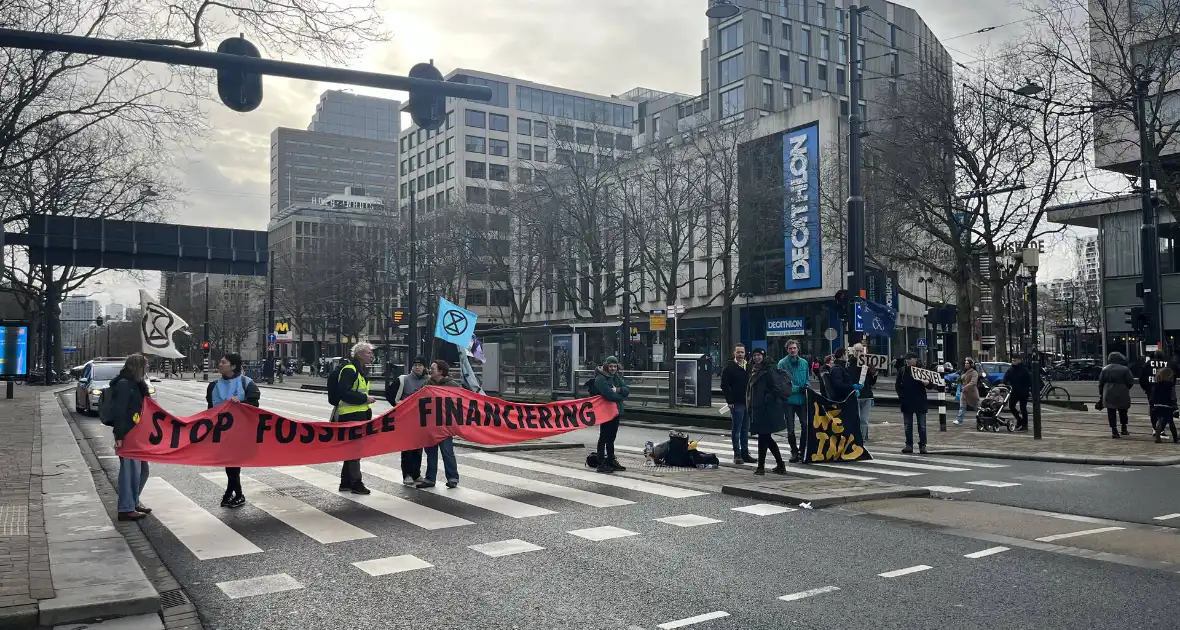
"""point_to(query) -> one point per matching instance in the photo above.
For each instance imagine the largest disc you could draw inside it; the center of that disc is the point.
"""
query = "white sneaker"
(408, 481)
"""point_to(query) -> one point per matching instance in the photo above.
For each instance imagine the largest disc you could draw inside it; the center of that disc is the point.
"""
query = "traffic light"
(98, 321)
(428, 109)
(205, 346)
(240, 91)
(842, 298)
(397, 316)
(1137, 319)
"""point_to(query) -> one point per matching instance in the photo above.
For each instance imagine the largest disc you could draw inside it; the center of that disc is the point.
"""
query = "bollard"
(941, 389)
(8, 390)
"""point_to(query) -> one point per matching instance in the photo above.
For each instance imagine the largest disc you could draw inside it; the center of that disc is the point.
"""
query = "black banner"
(832, 431)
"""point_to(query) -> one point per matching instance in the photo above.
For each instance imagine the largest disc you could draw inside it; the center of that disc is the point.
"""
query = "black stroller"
(991, 410)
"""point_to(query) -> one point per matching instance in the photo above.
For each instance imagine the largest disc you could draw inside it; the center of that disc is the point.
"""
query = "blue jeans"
(909, 429)
(450, 466)
(133, 475)
(740, 434)
(866, 409)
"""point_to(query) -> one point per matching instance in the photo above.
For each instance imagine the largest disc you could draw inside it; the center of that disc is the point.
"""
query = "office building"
(347, 114)
(115, 312)
(78, 314)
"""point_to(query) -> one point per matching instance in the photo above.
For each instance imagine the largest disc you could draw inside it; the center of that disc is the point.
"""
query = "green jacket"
(603, 382)
(800, 378)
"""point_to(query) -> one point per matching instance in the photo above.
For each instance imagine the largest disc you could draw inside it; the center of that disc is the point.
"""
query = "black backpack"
(783, 379)
(677, 454)
(105, 406)
(333, 385)
(591, 387)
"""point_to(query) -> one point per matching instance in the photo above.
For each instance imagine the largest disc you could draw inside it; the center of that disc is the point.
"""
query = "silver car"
(95, 377)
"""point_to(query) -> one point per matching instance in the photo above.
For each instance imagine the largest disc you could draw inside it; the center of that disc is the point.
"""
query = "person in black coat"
(734, 380)
(911, 393)
(766, 411)
(235, 386)
(1019, 380)
(129, 389)
(1163, 404)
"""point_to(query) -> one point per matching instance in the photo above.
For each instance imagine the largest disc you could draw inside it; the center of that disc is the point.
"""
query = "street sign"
(657, 352)
(69, 348)
(785, 327)
(830, 334)
(657, 320)
(271, 338)
(270, 347)
(282, 332)
(675, 311)
(877, 361)
(921, 342)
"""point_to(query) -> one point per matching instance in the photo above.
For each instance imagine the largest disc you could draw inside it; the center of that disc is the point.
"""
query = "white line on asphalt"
(393, 564)
(319, 526)
(505, 548)
(108, 457)
(952, 462)
(1085, 532)
(606, 532)
(868, 467)
(1168, 517)
(688, 520)
(264, 585)
(915, 465)
(1077, 474)
(204, 534)
(905, 571)
(793, 597)
(396, 507)
(764, 509)
(483, 500)
(991, 551)
(637, 485)
(1037, 478)
(1116, 468)
(992, 484)
(593, 499)
(720, 614)
(947, 489)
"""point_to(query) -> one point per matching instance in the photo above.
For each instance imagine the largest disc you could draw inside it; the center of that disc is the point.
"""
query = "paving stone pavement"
(24, 549)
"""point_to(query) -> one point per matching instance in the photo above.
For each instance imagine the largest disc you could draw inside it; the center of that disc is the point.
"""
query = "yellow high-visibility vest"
(361, 384)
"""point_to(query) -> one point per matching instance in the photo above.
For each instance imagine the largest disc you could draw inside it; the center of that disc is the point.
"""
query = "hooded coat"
(1115, 382)
(762, 401)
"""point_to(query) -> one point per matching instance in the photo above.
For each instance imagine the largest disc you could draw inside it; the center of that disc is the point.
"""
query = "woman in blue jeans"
(912, 394)
(129, 389)
(440, 377)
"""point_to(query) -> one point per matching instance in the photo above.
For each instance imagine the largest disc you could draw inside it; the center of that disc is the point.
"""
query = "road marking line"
(794, 597)
(1038, 478)
(1077, 474)
(687, 520)
(593, 499)
(393, 564)
(1116, 468)
(319, 526)
(265, 585)
(947, 489)
(992, 484)
(986, 552)
(627, 483)
(599, 534)
(1085, 532)
(484, 500)
(1167, 517)
(764, 509)
(397, 507)
(952, 462)
(915, 465)
(505, 548)
(108, 457)
(202, 533)
(905, 571)
(720, 614)
(868, 467)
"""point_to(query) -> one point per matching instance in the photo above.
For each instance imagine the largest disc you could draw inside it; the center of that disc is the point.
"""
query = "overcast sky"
(597, 46)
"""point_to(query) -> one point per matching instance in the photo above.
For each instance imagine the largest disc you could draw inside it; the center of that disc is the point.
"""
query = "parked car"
(992, 371)
(96, 376)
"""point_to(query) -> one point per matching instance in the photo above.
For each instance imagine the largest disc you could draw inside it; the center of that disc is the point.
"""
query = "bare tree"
(235, 314)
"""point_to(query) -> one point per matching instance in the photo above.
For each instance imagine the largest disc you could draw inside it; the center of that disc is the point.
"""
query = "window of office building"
(585, 136)
(821, 14)
(821, 75)
(498, 122)
(421, 159)
(842, 51)
(524, 175)
(421, 182)
(477, 194)
(782, 8)
(450, 170)
(524, 151)
(429, 155)
(565, 157)
(787, 35)
(450, 146)
(623, 141)
(474, 144)
(474, 118)
(768, 96)
(404, 191)
(764, 63)
(767, 27)
(784, 67)
(499, 89)
(564, 133)
(733, 101)
(477, 170)
(413, 163)
(450, 119)
(403, 167)
(843, 107)
(841, 81)
(498, 172)
(839, 19)
(524, 126)
(584, 159)
(731, 69)
(893, 35)
(804, 76)
(823, 46)
(731, 37)
(497, 147)
(540, 153)
(540, 129)
(499, 198)
(788, 96)
(805, 41)
(430, 179)
(605, 139)
(574, 107)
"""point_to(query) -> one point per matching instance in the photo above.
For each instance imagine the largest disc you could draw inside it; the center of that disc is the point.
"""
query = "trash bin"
(694, 379)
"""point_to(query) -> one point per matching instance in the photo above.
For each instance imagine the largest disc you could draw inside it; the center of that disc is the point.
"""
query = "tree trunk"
(999, 316)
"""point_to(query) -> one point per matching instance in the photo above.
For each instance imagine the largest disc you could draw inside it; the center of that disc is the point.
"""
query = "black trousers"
(350, 471)
(791, 412)
(766, 442)
(412, 464)
(1021, 416)
(1122, 415)
(1161, 417)
(607, 432)
(234, 475)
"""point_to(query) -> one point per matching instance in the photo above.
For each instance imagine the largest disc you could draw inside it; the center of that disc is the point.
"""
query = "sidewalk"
(62, 561)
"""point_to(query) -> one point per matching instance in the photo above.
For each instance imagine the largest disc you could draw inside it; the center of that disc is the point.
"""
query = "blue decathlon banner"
(801, 235)
(874, 319)
(455, 324)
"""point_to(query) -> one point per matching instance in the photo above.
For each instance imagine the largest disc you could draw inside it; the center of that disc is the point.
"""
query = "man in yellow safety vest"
(352, 390)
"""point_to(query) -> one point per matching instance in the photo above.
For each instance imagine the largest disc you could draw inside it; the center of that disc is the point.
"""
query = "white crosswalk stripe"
(484, 500)
(204, 534)
(870, 468)
(944, 460)
(637, 485)
(947, 489)
(593, 499)
(319, 526)
(795, 469)
(992, 484)
(916, 465)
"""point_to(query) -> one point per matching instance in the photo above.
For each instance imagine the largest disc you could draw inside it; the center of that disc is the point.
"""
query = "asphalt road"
(286, 559)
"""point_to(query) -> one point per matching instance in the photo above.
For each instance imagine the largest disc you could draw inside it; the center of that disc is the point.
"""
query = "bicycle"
(1049, 391)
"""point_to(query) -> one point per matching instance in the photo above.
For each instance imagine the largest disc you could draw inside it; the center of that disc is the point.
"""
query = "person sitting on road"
(235, 386)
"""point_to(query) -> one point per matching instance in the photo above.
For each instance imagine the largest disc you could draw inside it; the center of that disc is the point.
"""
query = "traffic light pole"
(1149, 241)
(856, 202)
(415, 349)
(268, 370)
(205, 349)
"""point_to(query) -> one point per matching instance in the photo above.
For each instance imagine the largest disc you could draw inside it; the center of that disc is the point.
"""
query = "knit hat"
(611, 360)
(420, 360)
(757, 351)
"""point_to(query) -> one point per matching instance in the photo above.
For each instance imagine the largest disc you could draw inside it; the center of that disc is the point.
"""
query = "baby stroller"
(991, 410)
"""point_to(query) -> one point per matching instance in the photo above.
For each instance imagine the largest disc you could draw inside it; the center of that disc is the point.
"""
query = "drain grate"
(173, 598)
(14, 519)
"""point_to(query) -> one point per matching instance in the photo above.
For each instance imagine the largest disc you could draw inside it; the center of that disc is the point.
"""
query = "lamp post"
(205, 352)
(856, 202)
(412, 334)
(1030, 258)
(925, 281)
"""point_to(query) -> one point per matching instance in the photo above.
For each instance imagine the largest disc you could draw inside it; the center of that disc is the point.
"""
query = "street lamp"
(925, 281)
(1032, 88)
(1030, 258)
(722, 9)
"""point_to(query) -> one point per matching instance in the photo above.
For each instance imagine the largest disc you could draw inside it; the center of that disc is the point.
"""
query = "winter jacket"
(969, 395)
(734, 379)
(911, 392)
(603, 382)
(407, 384)
(840, 381)
(1019, 379)
(762, 402)
(127, 403)
(344, 385)
(253, 395)
(1115, 382)
(800, 373)
(1163, 394)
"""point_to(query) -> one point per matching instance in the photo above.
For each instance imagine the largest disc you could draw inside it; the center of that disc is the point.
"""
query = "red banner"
(234, 434)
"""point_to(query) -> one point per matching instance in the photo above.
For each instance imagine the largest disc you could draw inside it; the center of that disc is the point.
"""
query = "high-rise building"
(77, 315)
(351, 141)
(115, 312)
(1087, 253)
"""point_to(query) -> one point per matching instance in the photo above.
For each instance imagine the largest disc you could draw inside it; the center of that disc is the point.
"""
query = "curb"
(1063, 458)
(820, 501)
(520, 446)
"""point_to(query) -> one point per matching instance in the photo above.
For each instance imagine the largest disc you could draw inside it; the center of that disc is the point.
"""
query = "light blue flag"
(455, 324)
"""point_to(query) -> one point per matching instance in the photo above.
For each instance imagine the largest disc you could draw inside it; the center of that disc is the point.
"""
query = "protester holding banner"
(610, 384)
(235, 386)
(354, 405)
(866, 375)
(968, 389)
(766, 411)
(440, 376)
(796, 367)
(734, 379)
(911, 392)
(128, 390)
(407, 384)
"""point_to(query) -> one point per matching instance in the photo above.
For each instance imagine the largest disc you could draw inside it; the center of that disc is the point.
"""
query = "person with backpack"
(796, 406)
(763, 400)
(348, 391)
(407, 384)
(734, 379)
(126, 394)
(610, 384)
(1163, 404)
(237, 387)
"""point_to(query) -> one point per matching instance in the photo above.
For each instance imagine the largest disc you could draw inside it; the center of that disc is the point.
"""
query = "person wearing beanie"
(407, 384)
(763, 396)
(611, 385)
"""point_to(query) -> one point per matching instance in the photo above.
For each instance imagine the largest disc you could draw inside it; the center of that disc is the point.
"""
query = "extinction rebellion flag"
(832, 430)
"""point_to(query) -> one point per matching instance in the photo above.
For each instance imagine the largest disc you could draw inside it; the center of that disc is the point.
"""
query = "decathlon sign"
(787, 327)
(801, 209)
